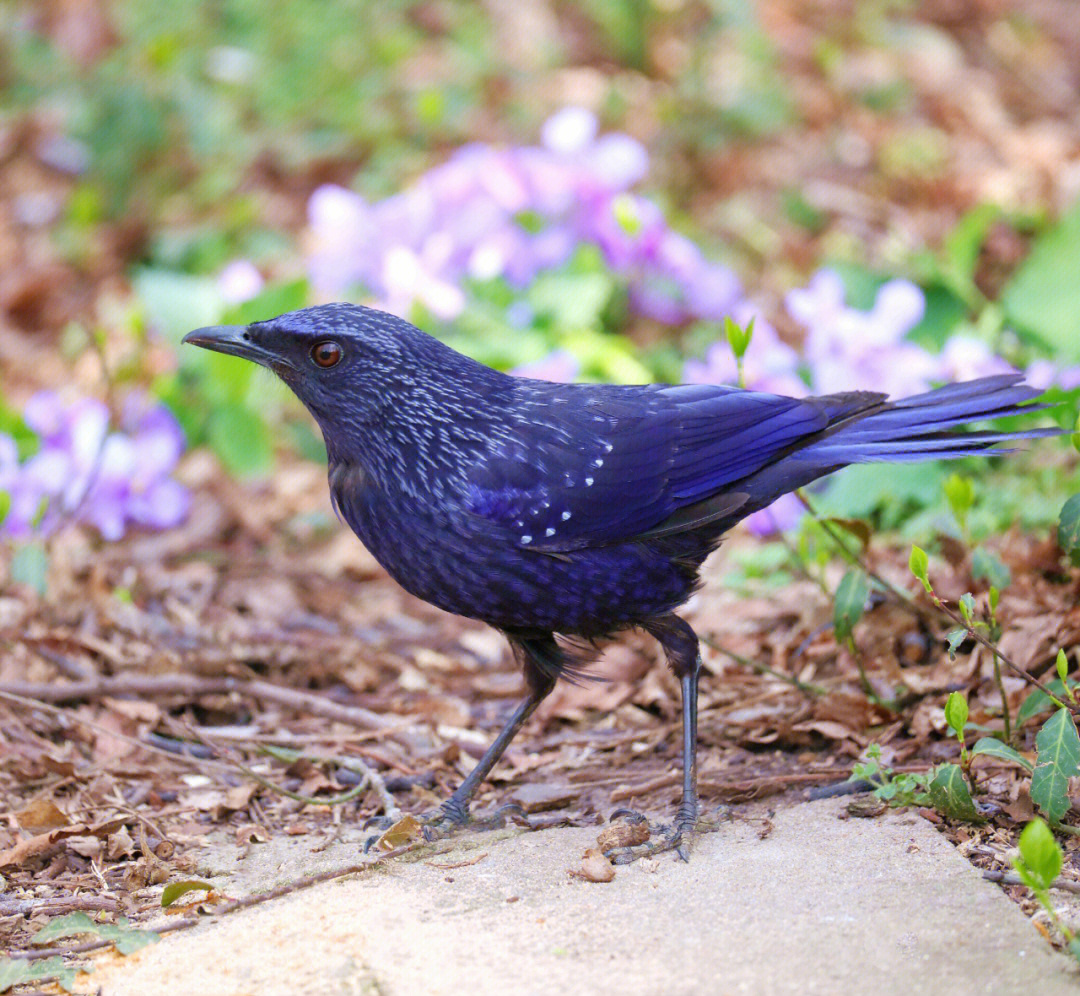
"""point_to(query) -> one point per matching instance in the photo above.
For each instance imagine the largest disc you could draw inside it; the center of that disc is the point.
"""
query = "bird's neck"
(429, 431)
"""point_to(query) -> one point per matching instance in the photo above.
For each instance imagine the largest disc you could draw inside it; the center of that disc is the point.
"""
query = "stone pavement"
(821, 905)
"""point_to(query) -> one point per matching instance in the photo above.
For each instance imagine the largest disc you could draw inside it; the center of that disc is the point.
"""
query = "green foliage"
(960, 495)
(949, 794)
(1043, 298)
(850, 602)
(1038, 864)
(1003, 752)
(30, 566)
(1039, 702)
(988, 566)
(1069, 529)
(920, 566)
(895, 788)
(1040, 856)
(174, 890)
(1057, 759)
(18, 972)
(125, 938)
(956, 713)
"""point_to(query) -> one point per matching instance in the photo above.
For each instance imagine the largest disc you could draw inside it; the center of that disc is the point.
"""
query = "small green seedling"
(739, 339)
(1038, 864)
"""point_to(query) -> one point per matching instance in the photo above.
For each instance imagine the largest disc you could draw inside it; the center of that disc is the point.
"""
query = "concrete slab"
(820, 906)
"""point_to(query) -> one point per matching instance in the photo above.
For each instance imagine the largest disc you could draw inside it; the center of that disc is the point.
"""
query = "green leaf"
(30, 566)
(17, 972)
(1038, 701)
(1061, 664)
(949, 794)
(985, 564)
(960, 495)
(275, 299)
(956, 712)
(955, 638)
(1043, 296)
(573, 300)
(176, 302)
(1003, 752)
(851, 598)
(919, 564)
(961, 246)
(1069, 526)
(967, 606)
(1057, 755)
(738, 337)
(241, 440)
(5, 505)
(124, 938)
(174, 890)
(857, 527)
(1040, 853)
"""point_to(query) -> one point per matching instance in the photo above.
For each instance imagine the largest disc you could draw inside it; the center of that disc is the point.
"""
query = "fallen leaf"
(41, 815)
(405, 831)
(623, 834)
(594, 867)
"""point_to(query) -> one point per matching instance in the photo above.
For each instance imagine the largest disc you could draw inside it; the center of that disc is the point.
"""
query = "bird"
(564, 514)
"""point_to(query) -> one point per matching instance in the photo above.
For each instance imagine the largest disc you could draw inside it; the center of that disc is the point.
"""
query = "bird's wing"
(607, 465)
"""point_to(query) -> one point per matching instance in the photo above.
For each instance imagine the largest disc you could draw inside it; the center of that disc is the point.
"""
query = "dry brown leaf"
(623, 834)
(41, 815)
(594, 867)
(251, 833)
(38, 845)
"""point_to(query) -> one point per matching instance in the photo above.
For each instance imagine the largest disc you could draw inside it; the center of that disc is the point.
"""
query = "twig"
(70, 716)
(1012, 665)
(240, 904)
(309, 800)
(148, 685)
(1010, 878)
(802, 686)
(58, 904)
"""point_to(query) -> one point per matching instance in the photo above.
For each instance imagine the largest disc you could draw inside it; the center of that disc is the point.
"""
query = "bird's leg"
(680, 645)
(455, 811)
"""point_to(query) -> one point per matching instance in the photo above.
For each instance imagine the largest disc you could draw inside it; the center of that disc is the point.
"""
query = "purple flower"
(560, 366)
(85, 473)
(491, 212)
(569, 130)
(783, 514)
(965, 358)
(240, 281)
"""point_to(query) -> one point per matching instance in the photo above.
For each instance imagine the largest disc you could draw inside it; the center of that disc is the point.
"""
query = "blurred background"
(889, 189)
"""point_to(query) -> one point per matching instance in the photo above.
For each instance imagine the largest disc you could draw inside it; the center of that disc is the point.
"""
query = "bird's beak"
(231, 339)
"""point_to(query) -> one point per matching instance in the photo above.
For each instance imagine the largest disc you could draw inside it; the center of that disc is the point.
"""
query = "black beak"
(231, 339)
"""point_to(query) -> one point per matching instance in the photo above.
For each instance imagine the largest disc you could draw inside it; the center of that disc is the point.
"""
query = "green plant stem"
(857, 560)
(802, 686)
(1012, 665)
(1006, 717)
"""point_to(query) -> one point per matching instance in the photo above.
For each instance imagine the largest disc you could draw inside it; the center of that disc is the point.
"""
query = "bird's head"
(345, 362)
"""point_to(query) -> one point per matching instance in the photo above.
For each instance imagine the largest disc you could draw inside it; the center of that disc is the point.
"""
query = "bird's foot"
(448, 819)
(453, 816)
(662, 838)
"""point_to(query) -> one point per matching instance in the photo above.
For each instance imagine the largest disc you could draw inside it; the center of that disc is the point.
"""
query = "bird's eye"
(326, 354)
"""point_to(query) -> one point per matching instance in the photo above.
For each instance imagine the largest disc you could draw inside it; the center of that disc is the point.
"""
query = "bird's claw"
(675, 837)
(451, 817)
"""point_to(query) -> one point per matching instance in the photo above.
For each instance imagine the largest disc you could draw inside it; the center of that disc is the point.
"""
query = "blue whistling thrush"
(575, 510)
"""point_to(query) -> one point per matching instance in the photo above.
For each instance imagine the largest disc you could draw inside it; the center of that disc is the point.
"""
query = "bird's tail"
(923, 426)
